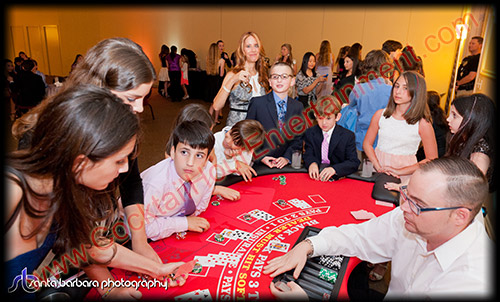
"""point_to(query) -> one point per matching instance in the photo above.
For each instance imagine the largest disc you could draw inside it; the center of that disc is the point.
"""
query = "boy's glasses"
(416, 209)
(284, 76)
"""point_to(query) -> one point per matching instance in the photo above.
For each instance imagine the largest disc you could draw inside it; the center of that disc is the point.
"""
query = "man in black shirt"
(466, 76)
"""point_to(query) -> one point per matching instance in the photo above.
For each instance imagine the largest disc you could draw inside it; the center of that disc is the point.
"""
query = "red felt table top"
(245, 279)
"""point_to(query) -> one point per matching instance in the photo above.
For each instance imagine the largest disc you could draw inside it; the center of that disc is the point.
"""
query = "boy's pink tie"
(324, 150)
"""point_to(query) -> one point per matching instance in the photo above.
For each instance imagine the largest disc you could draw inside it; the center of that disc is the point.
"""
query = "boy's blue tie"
(281, 113)
(189, 206)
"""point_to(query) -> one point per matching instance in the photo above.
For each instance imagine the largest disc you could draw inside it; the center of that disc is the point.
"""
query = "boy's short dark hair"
(328, 105)
(196, 134)
(247, 133)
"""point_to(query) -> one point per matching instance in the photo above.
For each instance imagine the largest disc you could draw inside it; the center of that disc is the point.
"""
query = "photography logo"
(26, 282)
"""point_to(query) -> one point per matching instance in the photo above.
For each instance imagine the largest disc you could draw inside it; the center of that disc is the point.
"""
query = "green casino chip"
(215, 203)
(219, 237)
(328, 275)
(197, 268)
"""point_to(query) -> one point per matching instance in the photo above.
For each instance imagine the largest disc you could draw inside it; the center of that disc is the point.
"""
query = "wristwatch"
(309, 255)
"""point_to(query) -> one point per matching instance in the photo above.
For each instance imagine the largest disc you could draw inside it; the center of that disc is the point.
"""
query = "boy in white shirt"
(234, 148)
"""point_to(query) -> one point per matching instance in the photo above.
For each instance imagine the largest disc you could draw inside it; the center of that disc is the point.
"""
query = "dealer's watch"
(309, 255)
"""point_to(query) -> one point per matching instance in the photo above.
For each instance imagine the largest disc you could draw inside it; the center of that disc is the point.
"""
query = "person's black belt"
(238, 110)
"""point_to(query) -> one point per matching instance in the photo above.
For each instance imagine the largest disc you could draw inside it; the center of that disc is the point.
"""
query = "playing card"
(317, 198)
(196, 295)
(242, 234)
(259, 214)
(236, 234)
(205, 261)
(216, 259)
(229, 257)
(279, 246)
(228, 233)
(362, 215)
(223, 258)
(301, 204)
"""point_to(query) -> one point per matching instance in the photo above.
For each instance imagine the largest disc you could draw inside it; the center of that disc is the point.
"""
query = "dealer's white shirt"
(460, 267)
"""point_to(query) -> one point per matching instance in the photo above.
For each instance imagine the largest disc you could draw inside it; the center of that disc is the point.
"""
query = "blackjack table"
(274, 212)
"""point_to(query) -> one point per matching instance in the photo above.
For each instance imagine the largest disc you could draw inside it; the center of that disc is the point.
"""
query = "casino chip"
(334, 262)
(281, 178)
(247, 217)
(215, 203)
(281, 202)
(197, 268)
(180, 235)
(219, 237)
(328, 275)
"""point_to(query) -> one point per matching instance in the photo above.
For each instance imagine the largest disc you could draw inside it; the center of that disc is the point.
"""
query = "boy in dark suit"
(275, 111)
(330, 149)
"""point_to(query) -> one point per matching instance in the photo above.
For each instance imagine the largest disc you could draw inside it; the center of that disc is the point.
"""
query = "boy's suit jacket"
(263, 109)
(341, 150)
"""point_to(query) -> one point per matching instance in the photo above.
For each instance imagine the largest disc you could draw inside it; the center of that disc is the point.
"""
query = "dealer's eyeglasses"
(416, 209)
(284, 76)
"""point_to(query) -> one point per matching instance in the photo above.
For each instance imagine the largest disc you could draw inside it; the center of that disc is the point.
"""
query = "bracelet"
(107, 292)
(227, 90)
(309, 255)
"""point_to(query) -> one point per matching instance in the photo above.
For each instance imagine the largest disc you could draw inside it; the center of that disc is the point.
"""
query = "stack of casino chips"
(281, 202)
(333, 262)
(219, 237)
(197, 268)
(180, 235)
(328, 275)
(217, 200)
(281, 178)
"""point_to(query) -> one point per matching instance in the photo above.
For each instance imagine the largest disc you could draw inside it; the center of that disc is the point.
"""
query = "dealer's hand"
(197, 224)
(295, 294)
(296, 258)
